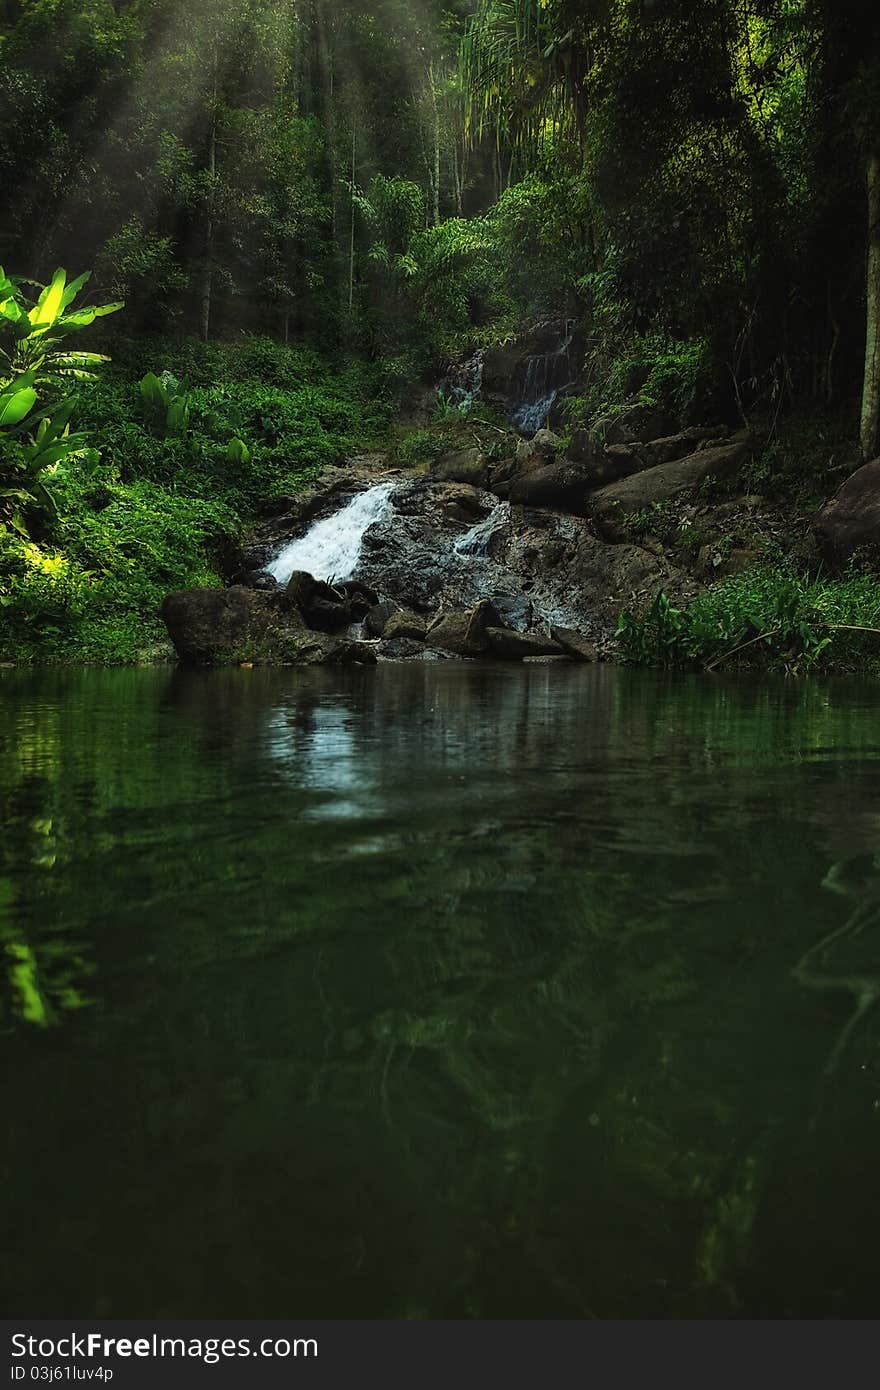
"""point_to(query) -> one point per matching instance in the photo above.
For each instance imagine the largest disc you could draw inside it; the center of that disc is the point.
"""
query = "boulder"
(514, 646)
(404, 624)
(676, 446)
(502, 474)
(581, 448)
(561, 660)
(560, 485)
(610, 465)
(610, 504)
(542, 447)
(516, 612)
(400, 649)
(323, 607)
(575, 644)
(634, 425)
(319, 649)
(360, 596)
(850, 520)
(463, 634)
(499, 371)
(463, 503)
(221, 627)
(203, 623)
(465, 466)
(378, 616)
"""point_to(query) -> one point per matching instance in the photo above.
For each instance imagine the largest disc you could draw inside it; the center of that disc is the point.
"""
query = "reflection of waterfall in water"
(478, 540)
(546, 374)
(331, 549)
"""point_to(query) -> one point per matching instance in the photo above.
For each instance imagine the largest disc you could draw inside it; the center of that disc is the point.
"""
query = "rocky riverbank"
(510, 547)
(528, 557)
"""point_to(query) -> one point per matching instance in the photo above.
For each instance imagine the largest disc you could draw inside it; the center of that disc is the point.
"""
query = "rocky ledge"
(310, 622)
(531, 557)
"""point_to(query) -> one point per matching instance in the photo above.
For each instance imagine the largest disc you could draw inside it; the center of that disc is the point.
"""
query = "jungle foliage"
(280, 192)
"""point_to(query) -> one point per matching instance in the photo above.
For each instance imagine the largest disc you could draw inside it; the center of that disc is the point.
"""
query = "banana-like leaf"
(10, 309)
(15, 405)
(79, 359)
(45, 458)
(48, 306)
(81, 318)
(75, 374)
(42, 494)
(54, 426)
(74, 288)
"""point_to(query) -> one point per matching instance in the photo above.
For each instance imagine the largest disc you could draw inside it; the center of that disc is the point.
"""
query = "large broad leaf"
(49, 304)
(10, 309)
(44, 458)
(43, 495)
(15, 405)
(79, 359)
(74, 288)
(155, 394)
(237, 451)
(81, 318)
(53, 427)
(178, 415)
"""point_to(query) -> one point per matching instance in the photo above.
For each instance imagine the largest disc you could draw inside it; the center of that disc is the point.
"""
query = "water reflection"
(439, 991)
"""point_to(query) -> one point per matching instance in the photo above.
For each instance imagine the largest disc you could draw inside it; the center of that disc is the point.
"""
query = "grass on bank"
(772, 616)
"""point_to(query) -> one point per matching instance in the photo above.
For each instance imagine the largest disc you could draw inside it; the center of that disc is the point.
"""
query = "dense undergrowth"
(150, 509)
(772, 616)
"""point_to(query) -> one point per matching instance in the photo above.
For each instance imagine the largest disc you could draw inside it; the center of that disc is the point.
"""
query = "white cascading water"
(545, 377)
(331, 549)
(478, 540)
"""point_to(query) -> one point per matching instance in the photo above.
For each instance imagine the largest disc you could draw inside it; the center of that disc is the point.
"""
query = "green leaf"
(237, 451)
(154, 392)
(15, 405)
(81, 318)
(74, 288)
(48, 306)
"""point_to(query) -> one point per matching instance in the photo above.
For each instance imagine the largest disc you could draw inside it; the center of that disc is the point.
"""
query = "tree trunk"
(435, 178)
(208, 266)
(870, 431)
(351, 245)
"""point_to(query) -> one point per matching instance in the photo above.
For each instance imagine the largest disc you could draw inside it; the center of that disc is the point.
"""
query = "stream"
(439, 991)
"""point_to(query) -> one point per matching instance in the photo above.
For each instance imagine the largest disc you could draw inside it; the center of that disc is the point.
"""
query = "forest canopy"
(386, 172)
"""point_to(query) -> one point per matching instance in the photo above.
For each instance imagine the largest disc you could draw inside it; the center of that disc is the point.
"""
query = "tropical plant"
(30, 454)
(34, 441)
(31, 332)
(167, 405)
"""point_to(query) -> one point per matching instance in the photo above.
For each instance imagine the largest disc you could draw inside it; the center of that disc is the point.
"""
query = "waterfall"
(331, 549)
(478, 540)
(546, 374)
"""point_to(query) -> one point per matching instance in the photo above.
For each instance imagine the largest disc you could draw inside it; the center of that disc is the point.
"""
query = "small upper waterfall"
(543, 377)
(331, 549)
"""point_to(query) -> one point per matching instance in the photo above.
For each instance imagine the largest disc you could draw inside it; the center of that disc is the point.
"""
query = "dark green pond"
(439, 991)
